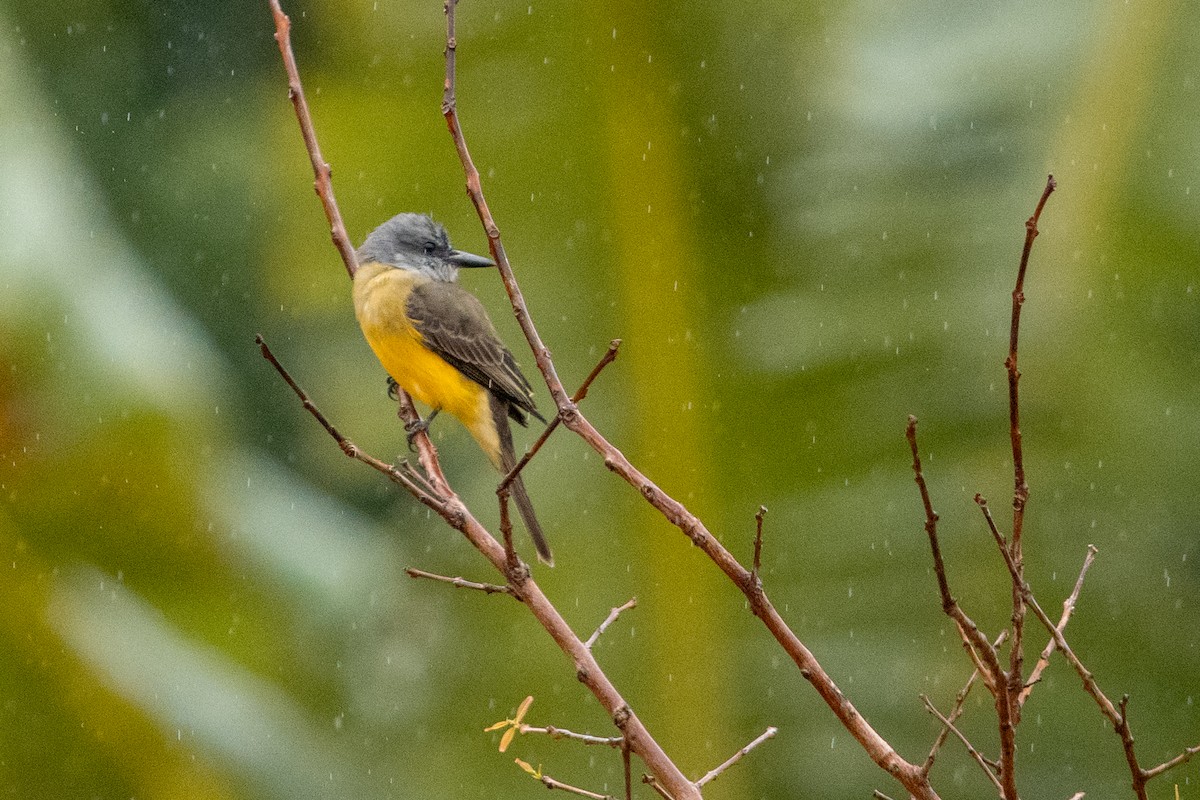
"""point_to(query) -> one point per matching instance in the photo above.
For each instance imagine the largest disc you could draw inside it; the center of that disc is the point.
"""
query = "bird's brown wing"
(454, 324)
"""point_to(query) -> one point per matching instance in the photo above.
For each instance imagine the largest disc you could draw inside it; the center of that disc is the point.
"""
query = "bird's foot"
(418, 426)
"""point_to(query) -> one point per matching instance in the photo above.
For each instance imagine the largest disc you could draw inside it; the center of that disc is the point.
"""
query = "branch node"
(621, 717)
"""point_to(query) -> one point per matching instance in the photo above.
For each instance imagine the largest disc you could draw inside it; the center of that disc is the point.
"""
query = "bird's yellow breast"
(380, 303)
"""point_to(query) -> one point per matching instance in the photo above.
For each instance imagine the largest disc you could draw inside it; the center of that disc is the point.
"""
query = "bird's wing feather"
(454, 325)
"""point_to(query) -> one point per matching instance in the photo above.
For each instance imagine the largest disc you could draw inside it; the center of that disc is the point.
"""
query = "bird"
(436, 341)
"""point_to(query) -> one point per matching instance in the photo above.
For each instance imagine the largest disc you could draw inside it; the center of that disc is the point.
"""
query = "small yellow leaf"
(537, 773)
(521, 709)
(507, 738)
(497, 725)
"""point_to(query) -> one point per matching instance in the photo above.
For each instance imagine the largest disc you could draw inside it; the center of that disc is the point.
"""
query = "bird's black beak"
(460, 259)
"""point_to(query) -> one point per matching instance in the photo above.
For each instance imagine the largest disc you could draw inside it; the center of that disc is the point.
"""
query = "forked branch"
(436, 493)
(676, 513)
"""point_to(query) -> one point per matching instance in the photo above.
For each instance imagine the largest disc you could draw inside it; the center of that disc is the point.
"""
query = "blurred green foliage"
(804, 221)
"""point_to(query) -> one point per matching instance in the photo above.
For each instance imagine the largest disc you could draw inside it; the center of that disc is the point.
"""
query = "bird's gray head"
(415, 242)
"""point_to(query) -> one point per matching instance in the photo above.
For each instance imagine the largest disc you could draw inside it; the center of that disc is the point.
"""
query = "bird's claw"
(415, 428)
(418, 426)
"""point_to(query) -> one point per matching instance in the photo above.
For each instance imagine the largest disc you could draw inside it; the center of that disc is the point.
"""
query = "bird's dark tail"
(508, 460)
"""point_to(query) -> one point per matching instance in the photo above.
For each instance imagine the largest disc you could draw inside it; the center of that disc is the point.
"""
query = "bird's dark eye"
(429, 248)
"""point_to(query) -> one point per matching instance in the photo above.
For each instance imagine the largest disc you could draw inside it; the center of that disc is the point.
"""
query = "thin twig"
(1182, 758)
(970, 632)
(563, 733)
(460, 583)
(399, 475)
(427, 453)
(323, 184)
(988, 677)
(1126, 734)
(982, 502)
(878, 795)
(321, 170)
(605, 360)
(1060, 642)
(653, 783)
(878, 748)
(448, 505)
(988, 662)
(627, 769)
(1115, 716)
(715, 773)
(1021, 489)
(588, 670)
(756, 569)
(1020, 484)
(1068, 609)
(609, 620)
(956, 712)
(552, 783)
(524, 588)
(975, 754)
(506, 533)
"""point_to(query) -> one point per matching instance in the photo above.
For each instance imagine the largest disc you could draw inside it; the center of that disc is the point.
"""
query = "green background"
(804, 220)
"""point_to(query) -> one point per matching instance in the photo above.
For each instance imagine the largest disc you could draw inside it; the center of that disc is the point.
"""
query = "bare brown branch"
(1118, 717)
(443, 499)
(1021, 488)
(1020, 485)
(971, 750)
(1068, 609)
(957, 711)
(875, 745)
(460, 583)
(627, 769)
(715, 773)
(587, 670)
(1182, 758)
(322, 173)
(1106, 706)
(650, 781)
(563, 733)
(580, 394)
(552, 783)
(609, 620)
(1126, 734)
(756, 569)
(985, 656)
(401, 475)
(456, 514)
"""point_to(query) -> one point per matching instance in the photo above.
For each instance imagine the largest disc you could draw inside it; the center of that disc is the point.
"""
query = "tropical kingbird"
(435, 340)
